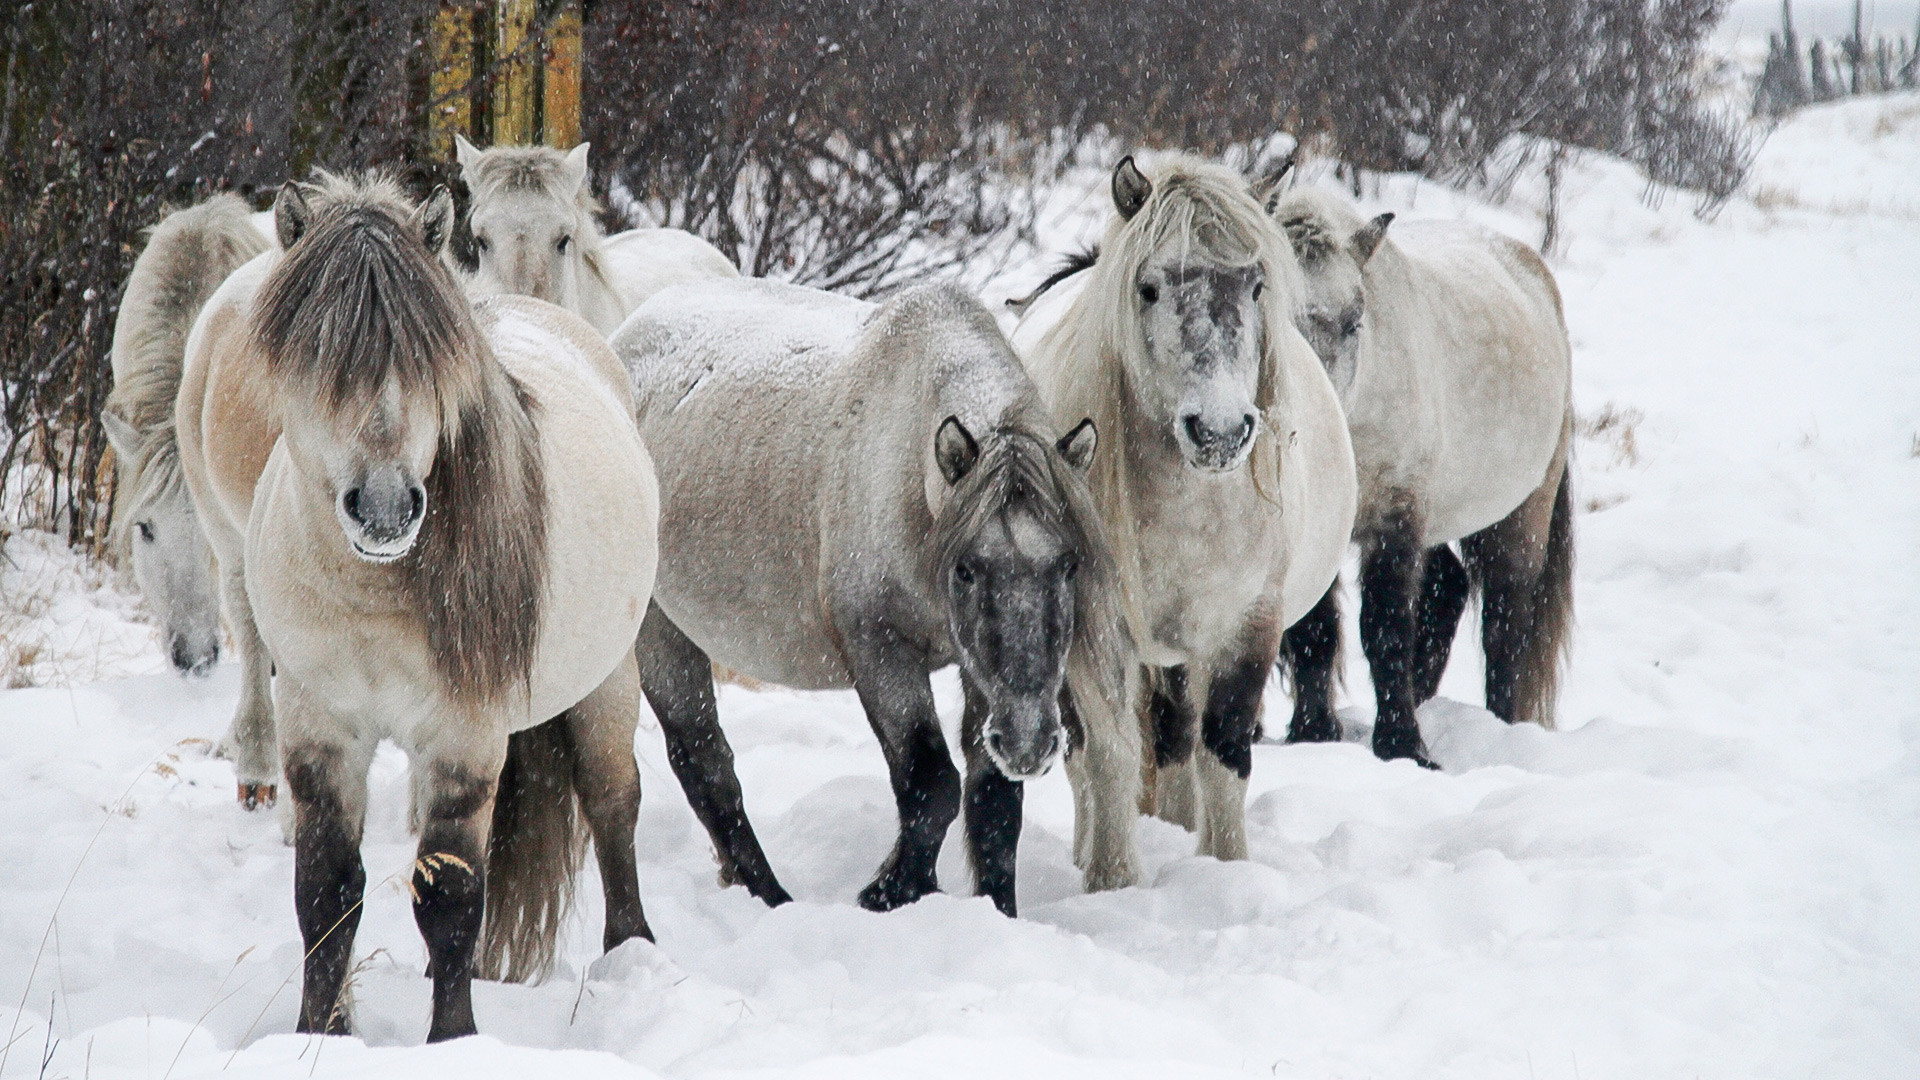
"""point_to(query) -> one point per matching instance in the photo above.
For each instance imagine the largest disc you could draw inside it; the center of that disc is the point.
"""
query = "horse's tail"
(536, 848)
(1545, 648)
(1072, 264)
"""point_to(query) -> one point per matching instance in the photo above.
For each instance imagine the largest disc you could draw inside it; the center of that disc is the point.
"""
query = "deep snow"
(1713, 870)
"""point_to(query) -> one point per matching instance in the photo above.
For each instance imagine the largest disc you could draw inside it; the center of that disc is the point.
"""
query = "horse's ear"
(434, 220)
(575, 173)
(1130, 188)
(1270, 187)
(120, 434)
(955, 450)
(1366, 239)
(467, 154)
(1077, 445)
(290, 215)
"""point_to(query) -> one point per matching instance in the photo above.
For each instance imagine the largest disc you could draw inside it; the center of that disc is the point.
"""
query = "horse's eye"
(481, 243)
(562, 244)
(1258, 288)
(1071, 567)
(1350, 326)
(1149, 292)
(963, 573)
(145, 530)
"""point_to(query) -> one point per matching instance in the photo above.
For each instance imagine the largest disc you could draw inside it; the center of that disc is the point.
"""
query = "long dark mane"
(1021, 470)
(360, 301)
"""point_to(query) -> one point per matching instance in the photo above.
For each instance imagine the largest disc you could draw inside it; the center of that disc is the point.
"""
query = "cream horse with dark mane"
(1226, 478)
(534, 234)
(1449, 349)
(447, 527)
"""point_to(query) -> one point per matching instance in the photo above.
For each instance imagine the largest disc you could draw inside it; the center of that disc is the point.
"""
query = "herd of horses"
(482, 513)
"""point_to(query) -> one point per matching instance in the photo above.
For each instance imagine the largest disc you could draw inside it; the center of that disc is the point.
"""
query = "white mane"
(1083, 363)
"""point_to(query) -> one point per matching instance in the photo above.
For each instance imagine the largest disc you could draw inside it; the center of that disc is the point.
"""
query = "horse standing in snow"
(155, 527)
(535, 235)
(1449, 349)
(857, 496)
(1227, 481)
(449, 542)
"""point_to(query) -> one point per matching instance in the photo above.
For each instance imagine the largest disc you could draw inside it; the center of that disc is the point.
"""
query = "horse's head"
(1011, 547)
(1194, 255)
(1332, 245)
(532, 219)
(373, 352)
(156, 526)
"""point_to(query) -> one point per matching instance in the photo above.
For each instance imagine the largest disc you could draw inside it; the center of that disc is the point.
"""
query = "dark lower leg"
(926, 789)
(607, 781)
(449, 897)
(678, 679)
(1173, 718)
(329, 882)
(1389, 575)
(993, 814)
(1311, 649)
(1443, 597)
(1231, 722)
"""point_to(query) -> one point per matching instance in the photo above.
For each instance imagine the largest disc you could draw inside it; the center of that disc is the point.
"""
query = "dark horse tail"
(535, 851)
(1545, 647)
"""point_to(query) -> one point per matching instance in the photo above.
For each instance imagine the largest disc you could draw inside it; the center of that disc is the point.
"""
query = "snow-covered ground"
(1712, 870)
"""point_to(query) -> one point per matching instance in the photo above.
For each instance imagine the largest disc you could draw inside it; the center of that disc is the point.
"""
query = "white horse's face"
(1331, 319)
(1204, 326)
(528, 244)
(372, 469)
(174, 567)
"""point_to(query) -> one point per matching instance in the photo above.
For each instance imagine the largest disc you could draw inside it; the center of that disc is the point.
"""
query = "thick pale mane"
(358, 301)
(189, 253)
(1317, 223)
(1082, 363)
(1020, 470)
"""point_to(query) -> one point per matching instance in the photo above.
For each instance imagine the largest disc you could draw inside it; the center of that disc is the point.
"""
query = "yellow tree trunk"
(515, 88)
(560, 78)
(452, 109)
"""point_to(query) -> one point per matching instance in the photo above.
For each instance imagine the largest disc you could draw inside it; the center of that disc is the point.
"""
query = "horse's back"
(734, 386)
(223, 415)
(186, 258)
(642, 262)
(1490, 328)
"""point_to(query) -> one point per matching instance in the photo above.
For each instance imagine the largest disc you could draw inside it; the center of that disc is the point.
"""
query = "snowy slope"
(1713, 870)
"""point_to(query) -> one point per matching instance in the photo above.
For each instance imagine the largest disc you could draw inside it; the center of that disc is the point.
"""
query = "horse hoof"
(258, 796)
(887, 894)
(1313, 731)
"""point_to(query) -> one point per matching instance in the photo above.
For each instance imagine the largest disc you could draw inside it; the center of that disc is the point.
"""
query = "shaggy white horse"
(535, 234)
(1449, 349)
(1226, 480)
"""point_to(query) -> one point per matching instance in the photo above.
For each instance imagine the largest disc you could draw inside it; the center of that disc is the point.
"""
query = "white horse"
(1227, 482)
(535, 234)
(155, 527)
(856, 496)
(449, 541)
(1449, 349)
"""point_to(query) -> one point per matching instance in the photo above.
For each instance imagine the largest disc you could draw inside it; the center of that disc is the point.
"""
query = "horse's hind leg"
(1443, 597)
(327, 780)
(1174, 725)
(250, 741)
(1310, 652)
(1524, 563)
(891, 680)
(607, 780)
(678, 679)
(993, 810)
(1390, 576)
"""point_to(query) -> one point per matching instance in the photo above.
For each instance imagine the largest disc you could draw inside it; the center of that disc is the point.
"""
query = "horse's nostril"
(419, 502)
(996, 742)
(350, 502)
(1194, 431)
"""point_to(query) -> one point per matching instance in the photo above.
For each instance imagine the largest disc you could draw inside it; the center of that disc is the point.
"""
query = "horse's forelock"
(358, 302)
(537, 169)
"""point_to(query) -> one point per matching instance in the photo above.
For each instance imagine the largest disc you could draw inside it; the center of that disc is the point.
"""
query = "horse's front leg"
(1391, 567)
(249, 743)
(891, 679)
(327, 779)
(678, 679)
(450, 870)
(607, 779)
(1174, 726)
(994, 809)
(1228, 727)
(1104, 770)
(1310, 651)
